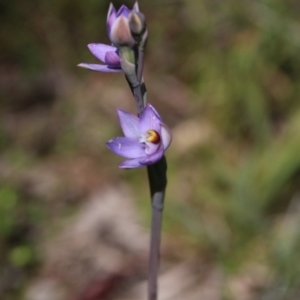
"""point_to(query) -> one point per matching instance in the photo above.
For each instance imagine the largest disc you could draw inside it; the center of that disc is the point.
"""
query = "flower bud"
(137, 23)
(120, 33)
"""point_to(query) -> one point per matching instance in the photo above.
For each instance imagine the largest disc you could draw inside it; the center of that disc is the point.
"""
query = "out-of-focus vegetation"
(226, 77)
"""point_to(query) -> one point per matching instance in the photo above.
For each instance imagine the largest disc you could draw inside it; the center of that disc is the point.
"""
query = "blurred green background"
(225, 76)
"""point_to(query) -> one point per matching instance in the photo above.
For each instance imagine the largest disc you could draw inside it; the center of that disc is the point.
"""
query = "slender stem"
(127, 60)
(139, 92)
(141, 51)
(138, 95)
(140, 64)
(158, 182)
(154, 255)
(157, 173)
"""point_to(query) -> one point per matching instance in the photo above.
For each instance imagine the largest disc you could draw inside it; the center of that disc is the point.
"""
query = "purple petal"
(130, 164)
(112, 59)
(111, 16)
(129, 124)
(149, 119)
(151, 148)
(166, 136)
(151, 159)
(126, 147)
(140, 162)
(123, 10)
(155, 111)
(100, 50)
(99, 68)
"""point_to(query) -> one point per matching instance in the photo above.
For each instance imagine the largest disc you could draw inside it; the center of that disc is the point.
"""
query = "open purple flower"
(146, 138)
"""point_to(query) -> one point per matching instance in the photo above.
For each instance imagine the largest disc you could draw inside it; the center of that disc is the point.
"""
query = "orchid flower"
(146, 138)
(118, 31)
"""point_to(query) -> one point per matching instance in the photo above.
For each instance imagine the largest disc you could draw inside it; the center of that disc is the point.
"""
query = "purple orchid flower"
(146, 138)
(105, 53)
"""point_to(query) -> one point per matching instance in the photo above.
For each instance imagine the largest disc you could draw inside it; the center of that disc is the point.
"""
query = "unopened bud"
(137, 23)
(120, 33)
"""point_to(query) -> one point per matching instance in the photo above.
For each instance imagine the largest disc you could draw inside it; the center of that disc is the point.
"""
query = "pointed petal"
(155, 111)
(136, 7)
(126, 147)
(111, 11)
(111, 16)
(99, 68)
(151, 159)
(129, 124)
(100, 50)
(112, 59)
(130, 164)
(124, 11)
(166, 136)
(149, 119)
